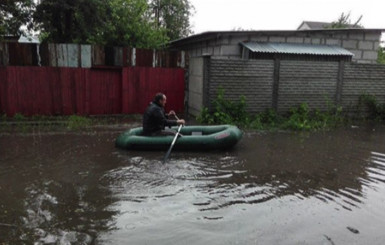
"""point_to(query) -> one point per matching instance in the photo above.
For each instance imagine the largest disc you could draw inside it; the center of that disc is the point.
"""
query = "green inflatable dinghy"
(193, 138)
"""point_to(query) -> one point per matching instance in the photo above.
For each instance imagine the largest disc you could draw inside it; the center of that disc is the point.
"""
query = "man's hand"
(181, 121)
(171, 113)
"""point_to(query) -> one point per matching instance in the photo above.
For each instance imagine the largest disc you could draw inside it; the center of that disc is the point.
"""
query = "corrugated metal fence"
(83, 91)
(86, 56)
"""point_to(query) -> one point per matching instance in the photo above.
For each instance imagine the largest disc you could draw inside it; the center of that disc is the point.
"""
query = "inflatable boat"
(191, 138)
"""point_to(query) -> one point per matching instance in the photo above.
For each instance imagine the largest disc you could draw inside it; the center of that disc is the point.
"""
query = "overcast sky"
(218, 15)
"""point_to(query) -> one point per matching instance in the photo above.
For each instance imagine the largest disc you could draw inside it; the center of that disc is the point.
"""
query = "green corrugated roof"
(295, 48)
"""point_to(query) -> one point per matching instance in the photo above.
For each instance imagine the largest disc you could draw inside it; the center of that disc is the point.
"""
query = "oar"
(172, 144)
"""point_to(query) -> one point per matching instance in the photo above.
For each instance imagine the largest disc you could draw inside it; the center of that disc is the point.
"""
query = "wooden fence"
(86, 56)
(87, 91)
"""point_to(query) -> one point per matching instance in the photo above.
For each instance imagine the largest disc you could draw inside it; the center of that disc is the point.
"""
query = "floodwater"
(272, 188)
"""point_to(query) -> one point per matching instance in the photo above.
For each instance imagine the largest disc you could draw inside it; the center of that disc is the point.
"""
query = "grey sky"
(217, 15)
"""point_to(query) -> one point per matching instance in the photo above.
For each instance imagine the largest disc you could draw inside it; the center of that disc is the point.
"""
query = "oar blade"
(172, 145)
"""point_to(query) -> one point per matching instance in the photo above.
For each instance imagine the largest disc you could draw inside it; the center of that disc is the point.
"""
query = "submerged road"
(272, 188)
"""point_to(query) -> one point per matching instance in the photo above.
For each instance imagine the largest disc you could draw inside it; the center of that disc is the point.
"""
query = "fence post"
(3, 89)
(277, 67)
(154, 58)
(340, 81)
(206, 82)
(125, 91)
(133, 57)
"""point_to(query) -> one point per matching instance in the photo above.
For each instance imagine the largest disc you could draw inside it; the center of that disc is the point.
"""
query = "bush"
(299, 118)
(376, 111)
(225, 111)
(19, 117)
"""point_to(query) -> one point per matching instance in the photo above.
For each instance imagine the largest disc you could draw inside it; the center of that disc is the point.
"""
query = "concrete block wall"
(360, 79)
(363, 45)
(251, 78)
(316, 83)
(311, 82)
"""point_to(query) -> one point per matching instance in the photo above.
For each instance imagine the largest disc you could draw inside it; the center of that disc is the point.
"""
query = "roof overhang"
(295, 48)
(217, 34)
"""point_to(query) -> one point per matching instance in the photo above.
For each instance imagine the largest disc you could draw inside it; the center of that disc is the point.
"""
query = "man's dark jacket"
(155, 119)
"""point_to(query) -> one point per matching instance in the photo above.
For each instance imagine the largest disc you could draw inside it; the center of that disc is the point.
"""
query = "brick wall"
(316, 83)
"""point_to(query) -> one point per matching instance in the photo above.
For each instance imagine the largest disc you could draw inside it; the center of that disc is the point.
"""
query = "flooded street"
(272, 188)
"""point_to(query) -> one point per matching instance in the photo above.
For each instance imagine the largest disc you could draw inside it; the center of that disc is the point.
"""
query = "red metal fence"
(84, 91)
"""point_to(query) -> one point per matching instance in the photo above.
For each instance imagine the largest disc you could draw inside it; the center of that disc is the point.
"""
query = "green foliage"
(77, 21)
(381, 56)
(376, 110)
(172, 16)
(136, 23)
(299, 118)
(78, 122)
(131, 25)
(344, 21)
(267, 119)
(225, 111)
(19, 117)
(302, 118)
(14, 14)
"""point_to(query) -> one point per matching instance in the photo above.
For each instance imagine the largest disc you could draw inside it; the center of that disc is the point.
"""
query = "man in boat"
(155, 119)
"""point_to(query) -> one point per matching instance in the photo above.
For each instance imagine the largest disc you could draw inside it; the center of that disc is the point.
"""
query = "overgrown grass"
(78, 122)
(299, 118)
(21, 123)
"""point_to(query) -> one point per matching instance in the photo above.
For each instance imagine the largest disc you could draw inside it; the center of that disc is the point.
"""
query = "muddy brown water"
(272, 188)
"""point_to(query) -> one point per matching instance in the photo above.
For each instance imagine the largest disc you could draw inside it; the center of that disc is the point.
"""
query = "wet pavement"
(272, 188)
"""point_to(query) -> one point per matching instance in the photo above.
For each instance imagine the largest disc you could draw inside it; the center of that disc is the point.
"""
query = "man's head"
(160, 99)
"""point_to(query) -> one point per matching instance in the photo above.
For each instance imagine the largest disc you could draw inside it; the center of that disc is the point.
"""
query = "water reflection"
(49, 190)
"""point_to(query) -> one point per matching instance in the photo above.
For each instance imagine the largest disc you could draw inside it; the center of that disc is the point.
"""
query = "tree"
(344, 21)
(14, 14)
(113, 22)
(136, 23)
(130, 24)
(78, 21)
(172, 15)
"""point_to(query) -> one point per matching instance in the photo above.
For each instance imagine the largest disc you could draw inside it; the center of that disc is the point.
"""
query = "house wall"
(195, 85)
(290, 83)
(363, 45)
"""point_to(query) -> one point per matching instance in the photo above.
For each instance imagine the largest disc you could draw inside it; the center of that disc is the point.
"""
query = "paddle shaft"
(172, 144)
